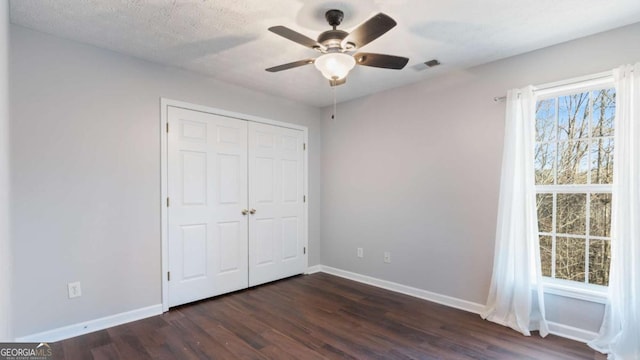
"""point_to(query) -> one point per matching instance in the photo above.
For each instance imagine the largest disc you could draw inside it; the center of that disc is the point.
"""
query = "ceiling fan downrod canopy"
(334, 17)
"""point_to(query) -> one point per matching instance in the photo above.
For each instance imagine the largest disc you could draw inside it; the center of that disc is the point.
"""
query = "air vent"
(432, 63)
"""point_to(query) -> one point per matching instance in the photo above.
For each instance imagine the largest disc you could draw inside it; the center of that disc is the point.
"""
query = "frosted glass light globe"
(335, 66)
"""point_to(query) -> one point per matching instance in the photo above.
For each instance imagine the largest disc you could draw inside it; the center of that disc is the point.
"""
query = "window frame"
(551, 285)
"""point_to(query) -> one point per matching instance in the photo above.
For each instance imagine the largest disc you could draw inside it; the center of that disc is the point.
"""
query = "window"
(573, 176)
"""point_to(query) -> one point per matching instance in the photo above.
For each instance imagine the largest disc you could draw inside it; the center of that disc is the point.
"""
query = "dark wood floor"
(316, 317)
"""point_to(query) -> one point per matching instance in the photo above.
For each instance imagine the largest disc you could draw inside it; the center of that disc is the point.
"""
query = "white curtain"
(513, 301)
(620, 332)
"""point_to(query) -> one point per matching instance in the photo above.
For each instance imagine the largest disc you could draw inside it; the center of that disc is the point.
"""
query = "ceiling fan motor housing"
(332, 38)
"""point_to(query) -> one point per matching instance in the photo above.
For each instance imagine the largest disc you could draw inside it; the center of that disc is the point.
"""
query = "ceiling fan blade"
(337, 82)
(295, 36)
(370, 30)
(290, 65)
(381, 60)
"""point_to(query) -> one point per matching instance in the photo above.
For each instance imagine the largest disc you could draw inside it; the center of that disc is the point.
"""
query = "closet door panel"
(276, 232)
(207, 186)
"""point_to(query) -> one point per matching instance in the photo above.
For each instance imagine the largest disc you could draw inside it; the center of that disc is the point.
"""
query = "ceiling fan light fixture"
(335, 66)
(335, 46)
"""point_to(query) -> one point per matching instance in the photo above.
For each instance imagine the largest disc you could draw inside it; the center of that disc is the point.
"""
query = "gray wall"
(86, 168)
(5, 249)
(416, 171)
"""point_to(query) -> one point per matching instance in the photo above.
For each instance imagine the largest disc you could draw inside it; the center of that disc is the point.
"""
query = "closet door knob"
(252, 211)
(245, 211)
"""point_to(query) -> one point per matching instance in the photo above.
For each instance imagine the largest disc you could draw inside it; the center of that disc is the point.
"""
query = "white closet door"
(276, 229)
(207, 184)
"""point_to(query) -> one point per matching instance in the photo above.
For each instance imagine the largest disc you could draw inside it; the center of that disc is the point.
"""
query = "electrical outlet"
(387, 257)
(74, 289)
(360, 252)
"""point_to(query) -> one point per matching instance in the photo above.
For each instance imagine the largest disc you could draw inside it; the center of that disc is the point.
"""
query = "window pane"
(575, 146)
(573, 115)
(599, 261)
(604, 111)
(600, 215)
(573, 162)
(571, 216)
(602, 161)
(546, 248)
(570, 258)
(545, 120)
(544, 203)
(545, 156)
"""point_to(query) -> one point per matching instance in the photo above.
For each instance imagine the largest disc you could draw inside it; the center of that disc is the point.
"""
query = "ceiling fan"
(336, 46)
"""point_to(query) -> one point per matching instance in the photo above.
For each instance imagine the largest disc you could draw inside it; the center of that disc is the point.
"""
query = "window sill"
(592, 293)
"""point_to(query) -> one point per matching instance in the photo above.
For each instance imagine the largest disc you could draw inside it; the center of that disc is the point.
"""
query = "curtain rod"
(557, 84)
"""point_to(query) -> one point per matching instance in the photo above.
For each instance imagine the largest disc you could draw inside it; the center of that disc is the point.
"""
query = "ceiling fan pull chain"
(333, 116)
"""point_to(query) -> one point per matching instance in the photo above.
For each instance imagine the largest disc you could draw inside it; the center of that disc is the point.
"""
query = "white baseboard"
(313, 269)
(562, 330)
(571, 332)
(86, 327)
(73, 330)
(407, 290)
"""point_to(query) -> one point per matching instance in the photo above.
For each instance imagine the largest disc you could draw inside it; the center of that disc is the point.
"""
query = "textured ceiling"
(228, 39)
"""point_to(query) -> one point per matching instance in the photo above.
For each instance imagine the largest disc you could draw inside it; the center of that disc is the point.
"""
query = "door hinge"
(167, 127)
(304, 146)
(304, 198)
(304, 250)
(167, 202)
(168, 275)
